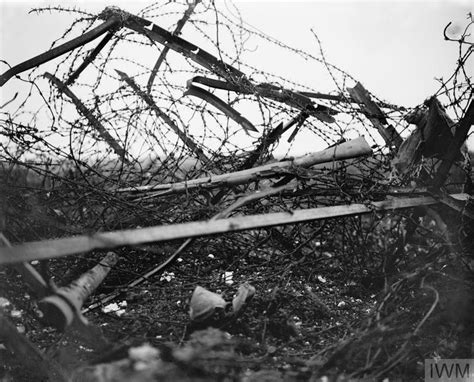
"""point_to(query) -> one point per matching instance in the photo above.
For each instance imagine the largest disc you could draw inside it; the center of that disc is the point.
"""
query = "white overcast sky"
(395, 48)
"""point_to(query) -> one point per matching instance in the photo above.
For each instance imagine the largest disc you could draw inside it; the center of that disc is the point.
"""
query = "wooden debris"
(294, 99)
(104, 134)
(271, 138)
(216, 66)
(91, 57)
(164, 52)
(352, 149)
(109, 24)
(375, 115)
(200, 93)
(102, 240)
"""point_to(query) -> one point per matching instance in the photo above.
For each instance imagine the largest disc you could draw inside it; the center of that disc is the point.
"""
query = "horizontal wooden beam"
(103, 240)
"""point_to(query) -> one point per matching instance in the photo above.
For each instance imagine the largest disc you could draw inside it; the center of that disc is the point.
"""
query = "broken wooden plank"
(174, 42)
(213, 64)
(108, 25)
(375, 115)
(185, 138)
(215, 101)
(55, 248)
(223, 85)
(164, 52)
(352, 149)
(101, 130)
(277, 93)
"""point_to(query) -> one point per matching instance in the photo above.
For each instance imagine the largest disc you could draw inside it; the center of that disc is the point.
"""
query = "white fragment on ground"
(4, 302)
(211, 256)
(113, 308)
(120, 312)
(110, 308)
(16, 313)
(228, 278)
(341, 304)
(321, 279)
(167, 276)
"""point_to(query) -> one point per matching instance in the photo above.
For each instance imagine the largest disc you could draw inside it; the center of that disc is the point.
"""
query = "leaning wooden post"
(65, 304)
(105, 135)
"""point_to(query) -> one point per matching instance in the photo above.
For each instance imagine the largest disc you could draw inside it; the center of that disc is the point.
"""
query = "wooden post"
(105, 135)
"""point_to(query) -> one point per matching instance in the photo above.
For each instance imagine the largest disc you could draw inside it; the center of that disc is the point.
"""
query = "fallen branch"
(90, 117)
(37, 250)
(352, 149)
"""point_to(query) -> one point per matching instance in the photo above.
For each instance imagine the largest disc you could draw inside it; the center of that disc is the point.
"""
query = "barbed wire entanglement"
(153, 119)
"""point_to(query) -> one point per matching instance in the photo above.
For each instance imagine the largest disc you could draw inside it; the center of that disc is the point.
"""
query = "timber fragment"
(77, 244)
(375, 115)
